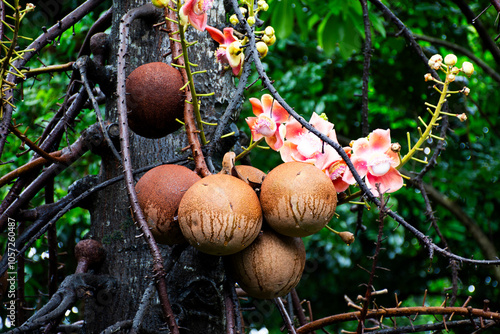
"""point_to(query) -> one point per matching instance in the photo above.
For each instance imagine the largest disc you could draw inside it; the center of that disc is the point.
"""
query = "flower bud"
(347, 237)
(450, 59)
(455, 70)
(234, 19)
(30, 7)
(269, 31)
(251, 20)
(269, 40)
(465, 91)
(160, 3)
(450, 78)
(467, 68)
(462, 117)
(396, 147)
(243, 10)
(262, 48)
(435, 61)
(428, 77)
(262, 4)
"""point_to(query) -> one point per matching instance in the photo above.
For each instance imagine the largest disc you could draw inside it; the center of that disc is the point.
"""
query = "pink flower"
(230, 50)
(336, 169)
(305, 146)
(195, 11)
(372, 157)
(270, 114)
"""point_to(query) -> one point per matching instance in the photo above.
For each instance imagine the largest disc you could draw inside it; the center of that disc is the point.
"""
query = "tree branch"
(144, 11)
(399, 312)
(44, 39)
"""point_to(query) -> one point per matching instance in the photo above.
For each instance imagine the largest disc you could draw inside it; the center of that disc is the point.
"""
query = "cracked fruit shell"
(220, 215)
(297, 199)
(159, 192)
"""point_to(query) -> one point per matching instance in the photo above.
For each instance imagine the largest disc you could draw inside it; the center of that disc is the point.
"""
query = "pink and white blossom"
(230, 48)
(195, 12)
(373, 157)
(268, 121)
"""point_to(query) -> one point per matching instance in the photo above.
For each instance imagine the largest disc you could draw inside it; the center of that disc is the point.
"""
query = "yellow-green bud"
(160, 3)
(262, 48)
(251, 20)
(269, 31)
(269, 40)
(234, 19)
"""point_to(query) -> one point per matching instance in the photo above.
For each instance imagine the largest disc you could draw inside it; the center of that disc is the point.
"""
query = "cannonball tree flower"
(230, 48)
(195, 12)
(335, 167)
(303, 145)
(268, 123)
(373, 157)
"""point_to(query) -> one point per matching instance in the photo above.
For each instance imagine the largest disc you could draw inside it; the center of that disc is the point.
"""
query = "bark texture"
(194, 280)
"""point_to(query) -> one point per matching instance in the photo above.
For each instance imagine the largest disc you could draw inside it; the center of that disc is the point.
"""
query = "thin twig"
(367, 53)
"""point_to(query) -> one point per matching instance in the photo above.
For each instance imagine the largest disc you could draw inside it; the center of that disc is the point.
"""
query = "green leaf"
(283, 18)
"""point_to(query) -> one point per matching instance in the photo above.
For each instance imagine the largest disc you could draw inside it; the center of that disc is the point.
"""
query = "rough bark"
(194, 280)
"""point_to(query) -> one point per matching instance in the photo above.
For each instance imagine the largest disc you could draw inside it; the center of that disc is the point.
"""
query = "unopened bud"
(269, 40)
(269, 31)
(251, 20)
(462, 117)
(395, 147)
(467, 68)
(450, 78)
(30, 7)
(160, 3)
(262, 48)
(450, 59)
(455, 70)
(234, 19)
(428, 77)
(243, 10)
(465, 91)
(435, 61)
(347, 237)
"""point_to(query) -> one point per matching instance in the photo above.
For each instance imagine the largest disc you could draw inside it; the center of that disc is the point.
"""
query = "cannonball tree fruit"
(271, 266)
(253, 176)
(220, 215)
(159, 192)
(297, 199)
(154, 100)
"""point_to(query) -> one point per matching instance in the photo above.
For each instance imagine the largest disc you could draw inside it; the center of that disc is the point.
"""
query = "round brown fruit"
(271, 266)
(154, 100)
(159, 192)
(297, 199)
(220, 215)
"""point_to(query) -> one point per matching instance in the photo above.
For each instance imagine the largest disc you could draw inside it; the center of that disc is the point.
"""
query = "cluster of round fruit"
(222, 214)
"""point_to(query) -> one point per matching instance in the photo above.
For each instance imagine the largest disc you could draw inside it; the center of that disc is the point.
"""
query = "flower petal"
(286, 151)
(361, 168)
(340, 185)
(267, 102)
(256, 106)
(216, 34)
(389, 182)
(380, 140)
(294, 130)
(320, 124)
(278, 113)
(276, 141)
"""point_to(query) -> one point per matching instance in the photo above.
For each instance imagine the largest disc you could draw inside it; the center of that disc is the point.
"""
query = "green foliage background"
(317, 67)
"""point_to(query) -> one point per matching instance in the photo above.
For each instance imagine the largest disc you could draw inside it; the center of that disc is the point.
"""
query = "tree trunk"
(194, 279)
